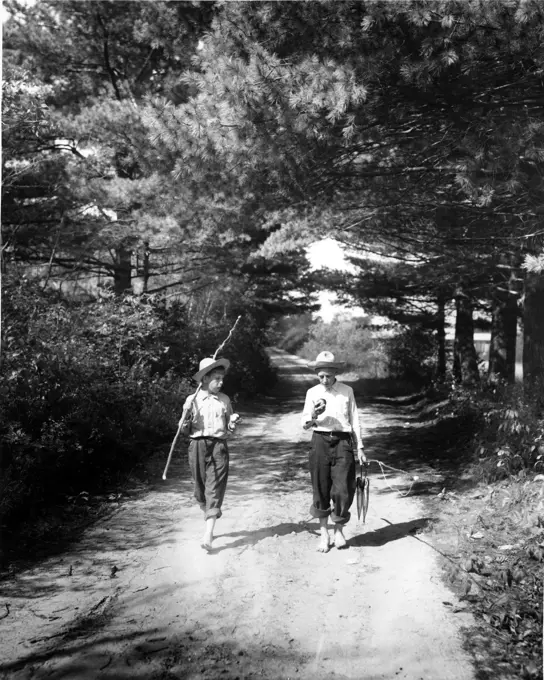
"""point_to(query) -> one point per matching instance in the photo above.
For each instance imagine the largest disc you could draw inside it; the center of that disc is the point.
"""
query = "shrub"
(411, 354)
(508, 429)
(349, 338)
(89, 389)
(511, 439)
(289, 332)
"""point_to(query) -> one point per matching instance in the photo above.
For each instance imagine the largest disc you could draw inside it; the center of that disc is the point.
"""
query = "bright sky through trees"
(329, 254)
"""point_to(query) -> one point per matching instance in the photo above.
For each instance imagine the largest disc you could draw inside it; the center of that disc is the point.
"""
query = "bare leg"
(207, 539)
(324, 543)
(339, 539)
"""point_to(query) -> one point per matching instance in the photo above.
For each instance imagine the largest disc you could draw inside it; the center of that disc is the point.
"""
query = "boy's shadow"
(253, 537)
(391, 532)
(376, 538)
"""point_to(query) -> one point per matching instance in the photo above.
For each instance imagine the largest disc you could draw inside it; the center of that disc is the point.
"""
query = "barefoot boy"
(331, 411)
(208, 422)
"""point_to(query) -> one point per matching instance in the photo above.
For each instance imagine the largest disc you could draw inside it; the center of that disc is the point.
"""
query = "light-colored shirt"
(210, 415)
(340, 414)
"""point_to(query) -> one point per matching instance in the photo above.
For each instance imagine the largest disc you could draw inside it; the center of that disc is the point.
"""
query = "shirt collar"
(209, 395)
(333, 388)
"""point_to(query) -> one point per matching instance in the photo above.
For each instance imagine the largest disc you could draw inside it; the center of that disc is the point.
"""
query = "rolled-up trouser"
(209, 463)
(332, 471)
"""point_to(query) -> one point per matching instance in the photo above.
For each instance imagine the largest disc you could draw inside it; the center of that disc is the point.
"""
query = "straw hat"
(208, 364)
(326, 360)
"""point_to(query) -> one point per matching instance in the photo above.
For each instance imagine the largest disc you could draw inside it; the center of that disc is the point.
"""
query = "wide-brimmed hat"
(326, 360)
(208, 364)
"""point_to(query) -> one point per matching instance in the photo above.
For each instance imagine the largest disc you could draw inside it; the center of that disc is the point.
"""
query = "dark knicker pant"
(209, 463)
(332, 470)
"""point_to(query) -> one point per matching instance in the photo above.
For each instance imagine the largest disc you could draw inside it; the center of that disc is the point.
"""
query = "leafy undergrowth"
(485, 448)
(493, 536)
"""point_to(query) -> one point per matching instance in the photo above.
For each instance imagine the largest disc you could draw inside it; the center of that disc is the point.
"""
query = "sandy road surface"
(264, 604)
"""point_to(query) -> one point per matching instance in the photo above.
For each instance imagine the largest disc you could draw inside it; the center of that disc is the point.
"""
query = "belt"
(339, 434)
(218, 439)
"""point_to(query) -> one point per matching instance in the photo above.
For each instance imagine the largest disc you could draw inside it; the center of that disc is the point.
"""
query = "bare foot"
(339, 539)
(206, 542)
(324, 544)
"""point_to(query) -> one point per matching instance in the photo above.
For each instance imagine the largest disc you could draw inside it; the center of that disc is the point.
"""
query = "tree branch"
(107, 63)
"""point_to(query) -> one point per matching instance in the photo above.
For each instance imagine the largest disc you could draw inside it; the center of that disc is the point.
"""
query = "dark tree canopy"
(411, 129)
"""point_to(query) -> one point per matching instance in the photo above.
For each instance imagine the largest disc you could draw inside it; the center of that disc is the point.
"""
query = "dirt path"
(264, 604)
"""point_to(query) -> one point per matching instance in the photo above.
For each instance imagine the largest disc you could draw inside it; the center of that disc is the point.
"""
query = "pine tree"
(393, 116)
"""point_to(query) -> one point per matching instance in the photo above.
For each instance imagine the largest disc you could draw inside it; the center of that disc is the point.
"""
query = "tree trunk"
(533, 335)
(441, 337)
(2, 259)
(502, 348)
(146, 268)
(465, 361)
(122, 274)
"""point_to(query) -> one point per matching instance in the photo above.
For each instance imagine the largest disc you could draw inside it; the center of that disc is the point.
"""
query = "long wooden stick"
(185, 412)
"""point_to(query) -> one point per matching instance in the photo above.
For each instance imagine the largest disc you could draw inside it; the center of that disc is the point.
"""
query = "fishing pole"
(186, 411)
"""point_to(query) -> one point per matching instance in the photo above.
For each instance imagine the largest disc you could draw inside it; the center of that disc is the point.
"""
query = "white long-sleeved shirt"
(340, 414)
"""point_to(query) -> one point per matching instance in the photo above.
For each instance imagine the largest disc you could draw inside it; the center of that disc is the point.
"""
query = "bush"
(500, 573)
(411, 354)
(90, 389)
(349, 338)
(511, 439)
(508, 429)
(289, 332)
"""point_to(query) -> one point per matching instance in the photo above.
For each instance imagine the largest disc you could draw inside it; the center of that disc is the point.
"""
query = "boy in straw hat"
(208, 421)
(330, 410)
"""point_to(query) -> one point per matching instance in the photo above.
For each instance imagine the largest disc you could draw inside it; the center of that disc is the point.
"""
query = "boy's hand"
(319, 408)
(233, 420)
(361, 456)
(308, 424)
(185, 420)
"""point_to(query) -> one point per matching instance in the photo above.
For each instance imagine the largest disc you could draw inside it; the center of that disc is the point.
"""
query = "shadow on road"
(156, 653)
(247, 538)
(95, 555)
(391, 532)
(438, 452)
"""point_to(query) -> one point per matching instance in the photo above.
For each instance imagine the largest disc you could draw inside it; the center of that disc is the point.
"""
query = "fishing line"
(403, 472)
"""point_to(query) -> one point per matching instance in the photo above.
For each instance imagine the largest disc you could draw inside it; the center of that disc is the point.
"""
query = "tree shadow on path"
(158, 653)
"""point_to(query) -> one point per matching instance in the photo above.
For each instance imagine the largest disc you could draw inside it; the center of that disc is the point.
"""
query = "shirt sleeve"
(354, 420)
(308, 408)
(189, 413)
(229, 410)
(187, 403)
